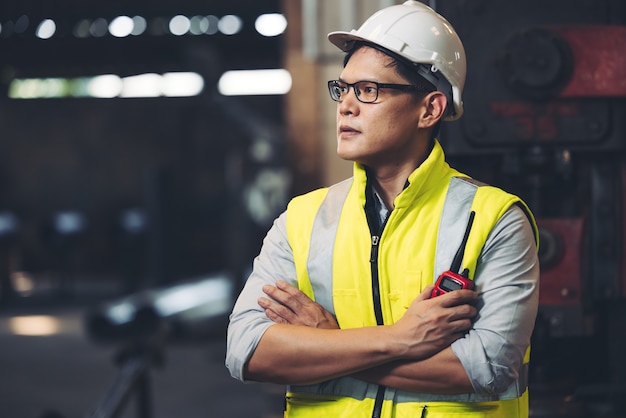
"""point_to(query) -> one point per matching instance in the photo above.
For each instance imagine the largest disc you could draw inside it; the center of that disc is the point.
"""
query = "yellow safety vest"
(331, 242)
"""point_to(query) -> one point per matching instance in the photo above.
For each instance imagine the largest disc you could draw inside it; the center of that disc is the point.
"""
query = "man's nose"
(349, 102)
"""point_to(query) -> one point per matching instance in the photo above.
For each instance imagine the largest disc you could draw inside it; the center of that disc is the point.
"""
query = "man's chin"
(347, 154)
(349, 158)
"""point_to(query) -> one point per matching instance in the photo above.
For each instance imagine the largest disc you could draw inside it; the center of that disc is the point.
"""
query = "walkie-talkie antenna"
(458, 257)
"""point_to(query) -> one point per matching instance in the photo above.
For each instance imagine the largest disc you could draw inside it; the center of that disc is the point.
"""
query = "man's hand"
(430, 325)
(288, 305)
(399, 355)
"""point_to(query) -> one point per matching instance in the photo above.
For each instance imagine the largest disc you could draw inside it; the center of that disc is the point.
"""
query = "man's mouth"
(345, 129)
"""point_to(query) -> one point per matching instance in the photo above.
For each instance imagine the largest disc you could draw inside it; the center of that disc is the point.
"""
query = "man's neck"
(390, 179)
(389, 183)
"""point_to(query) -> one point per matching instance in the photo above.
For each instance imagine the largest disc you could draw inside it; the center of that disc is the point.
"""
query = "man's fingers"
(275, 317)
(462, 326)
(282, 297)
(277, 310)
(426, 292)
(458, 297)
(293, 291)
(464, 312)
(287, 304)
(288, 295)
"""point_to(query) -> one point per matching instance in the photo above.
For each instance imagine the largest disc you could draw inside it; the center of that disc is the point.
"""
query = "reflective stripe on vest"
(460, 201)
(317, 259)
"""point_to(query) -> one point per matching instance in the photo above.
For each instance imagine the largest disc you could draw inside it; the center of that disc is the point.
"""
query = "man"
(339, 304)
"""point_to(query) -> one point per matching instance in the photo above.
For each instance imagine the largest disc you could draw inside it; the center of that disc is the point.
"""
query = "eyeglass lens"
(366, 91)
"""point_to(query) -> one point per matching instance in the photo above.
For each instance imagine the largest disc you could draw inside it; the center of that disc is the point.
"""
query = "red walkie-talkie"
(450, 280)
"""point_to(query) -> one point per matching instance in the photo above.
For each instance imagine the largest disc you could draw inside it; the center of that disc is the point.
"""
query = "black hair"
(404, 67)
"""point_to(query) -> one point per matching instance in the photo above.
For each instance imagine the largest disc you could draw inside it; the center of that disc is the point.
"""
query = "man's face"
(384, 132)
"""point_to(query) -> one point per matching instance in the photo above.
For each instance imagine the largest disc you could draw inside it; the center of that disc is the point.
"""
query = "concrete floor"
(66, 375)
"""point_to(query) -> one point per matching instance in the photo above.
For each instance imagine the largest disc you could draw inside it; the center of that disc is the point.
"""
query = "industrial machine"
(545, 105)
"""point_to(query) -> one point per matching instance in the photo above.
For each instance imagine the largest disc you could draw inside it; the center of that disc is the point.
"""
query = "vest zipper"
(378, 311)
(378, 403)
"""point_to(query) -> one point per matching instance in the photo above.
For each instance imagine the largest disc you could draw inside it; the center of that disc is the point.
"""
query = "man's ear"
(435, 104)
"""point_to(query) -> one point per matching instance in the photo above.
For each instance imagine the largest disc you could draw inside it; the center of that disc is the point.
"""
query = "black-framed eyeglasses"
(367, 91)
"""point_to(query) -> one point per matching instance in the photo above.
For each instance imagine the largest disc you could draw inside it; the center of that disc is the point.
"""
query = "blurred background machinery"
(147, 187)
(545, 105)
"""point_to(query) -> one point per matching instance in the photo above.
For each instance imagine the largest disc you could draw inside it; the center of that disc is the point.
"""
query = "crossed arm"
(288, 339)
(307, 346)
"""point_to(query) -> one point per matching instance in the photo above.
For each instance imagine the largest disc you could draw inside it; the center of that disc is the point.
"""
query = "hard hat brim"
(345, 40)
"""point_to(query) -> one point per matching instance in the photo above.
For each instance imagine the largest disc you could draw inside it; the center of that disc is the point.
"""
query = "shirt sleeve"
(507, 281)
(248, 322)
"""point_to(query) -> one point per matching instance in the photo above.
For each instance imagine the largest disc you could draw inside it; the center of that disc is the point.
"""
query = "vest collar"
(428, 175)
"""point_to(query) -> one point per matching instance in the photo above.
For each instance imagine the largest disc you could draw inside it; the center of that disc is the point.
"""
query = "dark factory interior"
(132, 206)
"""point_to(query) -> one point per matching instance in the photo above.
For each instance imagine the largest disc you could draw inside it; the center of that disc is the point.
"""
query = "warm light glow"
(37, 325)
(272, 24)
(23, 283)
(254, 82)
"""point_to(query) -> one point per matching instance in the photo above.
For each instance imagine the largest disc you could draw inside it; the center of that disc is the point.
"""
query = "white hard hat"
(420, 35)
